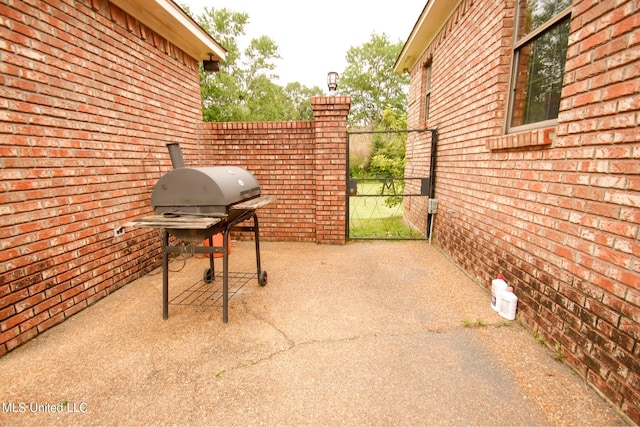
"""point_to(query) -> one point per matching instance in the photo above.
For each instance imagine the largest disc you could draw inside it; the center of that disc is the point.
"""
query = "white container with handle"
(508, 304)
(497, 287)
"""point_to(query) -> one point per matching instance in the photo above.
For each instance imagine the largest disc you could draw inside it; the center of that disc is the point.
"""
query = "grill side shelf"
(253, 204)
(180, 222)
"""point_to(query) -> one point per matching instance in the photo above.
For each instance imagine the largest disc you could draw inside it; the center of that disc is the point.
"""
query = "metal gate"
(380, 188)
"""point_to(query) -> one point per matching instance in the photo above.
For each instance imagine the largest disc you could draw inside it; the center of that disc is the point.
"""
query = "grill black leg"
(225, 275)
(256, 232)
(262, 275)
(211, 256)
(165, 275)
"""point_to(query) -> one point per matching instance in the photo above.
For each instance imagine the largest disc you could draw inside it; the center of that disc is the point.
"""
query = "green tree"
(379, 103)
(370, 81)
(221, 92)
(388, 157)
(244, 89)
(299, 95)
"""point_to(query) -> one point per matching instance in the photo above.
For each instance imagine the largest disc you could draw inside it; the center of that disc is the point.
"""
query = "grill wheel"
(262, 278)
(207, 277)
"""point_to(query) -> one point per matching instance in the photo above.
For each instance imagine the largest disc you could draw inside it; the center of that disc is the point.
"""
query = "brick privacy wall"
(301, 163)
(556, 210)
(281, 156)
(88, 99)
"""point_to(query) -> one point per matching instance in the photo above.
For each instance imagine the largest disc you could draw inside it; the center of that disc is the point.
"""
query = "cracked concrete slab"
(368, 333)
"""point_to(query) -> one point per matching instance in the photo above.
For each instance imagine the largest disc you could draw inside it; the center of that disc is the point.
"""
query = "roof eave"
(433, 17)
(169, 20)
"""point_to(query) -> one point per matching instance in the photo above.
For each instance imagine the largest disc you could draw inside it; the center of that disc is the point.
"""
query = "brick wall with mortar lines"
(89, 97)
(556, 210)
(418, 159)
(281, 156)
(303, 164)
(330, 114)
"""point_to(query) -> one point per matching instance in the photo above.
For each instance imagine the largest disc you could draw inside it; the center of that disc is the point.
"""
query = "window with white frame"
(539, 56)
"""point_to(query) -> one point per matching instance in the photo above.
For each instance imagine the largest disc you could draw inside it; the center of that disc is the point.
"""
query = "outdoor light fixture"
(332, 81)
(211, 65)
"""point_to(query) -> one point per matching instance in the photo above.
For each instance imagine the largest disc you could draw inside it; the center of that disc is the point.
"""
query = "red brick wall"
(85, 113)
(556, 210)
(84, 123)
(418, 164)
(301, 163)
(280, 155)
(330, 170)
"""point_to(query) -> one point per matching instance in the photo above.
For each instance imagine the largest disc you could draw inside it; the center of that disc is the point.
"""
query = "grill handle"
(177, 161)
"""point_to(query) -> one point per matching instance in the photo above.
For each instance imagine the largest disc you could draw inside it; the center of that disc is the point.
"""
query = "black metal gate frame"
(426, 182)
(389, 184)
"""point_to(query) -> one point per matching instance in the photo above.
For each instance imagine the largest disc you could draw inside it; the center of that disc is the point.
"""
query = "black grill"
(207, 191)
(194, 204)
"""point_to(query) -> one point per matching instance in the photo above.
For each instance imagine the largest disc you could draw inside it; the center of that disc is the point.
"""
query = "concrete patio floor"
(368, 333)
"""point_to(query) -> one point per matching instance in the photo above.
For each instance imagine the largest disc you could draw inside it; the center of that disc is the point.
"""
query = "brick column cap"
(330, 100)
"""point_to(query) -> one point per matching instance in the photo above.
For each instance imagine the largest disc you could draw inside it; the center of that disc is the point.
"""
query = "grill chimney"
(177, 161)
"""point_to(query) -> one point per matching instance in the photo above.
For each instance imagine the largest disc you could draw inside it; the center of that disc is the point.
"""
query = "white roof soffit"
(433, 17)
(169, 20)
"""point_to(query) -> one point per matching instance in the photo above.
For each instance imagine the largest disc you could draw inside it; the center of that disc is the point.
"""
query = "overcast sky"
(314, 36)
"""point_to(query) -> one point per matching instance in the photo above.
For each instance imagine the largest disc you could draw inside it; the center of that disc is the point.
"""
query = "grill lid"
(207, 190)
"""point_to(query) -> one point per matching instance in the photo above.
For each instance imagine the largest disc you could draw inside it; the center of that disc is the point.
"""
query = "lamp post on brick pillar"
(330, 126)
(332, 82)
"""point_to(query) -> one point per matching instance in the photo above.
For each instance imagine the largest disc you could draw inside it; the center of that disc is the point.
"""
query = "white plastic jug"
(508, 303)
(497, 287)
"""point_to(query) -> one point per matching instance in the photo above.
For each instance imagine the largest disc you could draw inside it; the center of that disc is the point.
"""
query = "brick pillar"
(330, 127)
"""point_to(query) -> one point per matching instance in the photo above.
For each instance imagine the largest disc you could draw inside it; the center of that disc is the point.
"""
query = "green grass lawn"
(372, 218)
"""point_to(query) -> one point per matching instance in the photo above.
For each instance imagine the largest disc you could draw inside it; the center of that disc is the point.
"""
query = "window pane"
(534, 13)
(539, 73)
(426, 106)
(427, 95)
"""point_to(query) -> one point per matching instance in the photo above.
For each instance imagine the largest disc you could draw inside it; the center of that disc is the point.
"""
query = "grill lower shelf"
(203, 294)
(198, 228)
